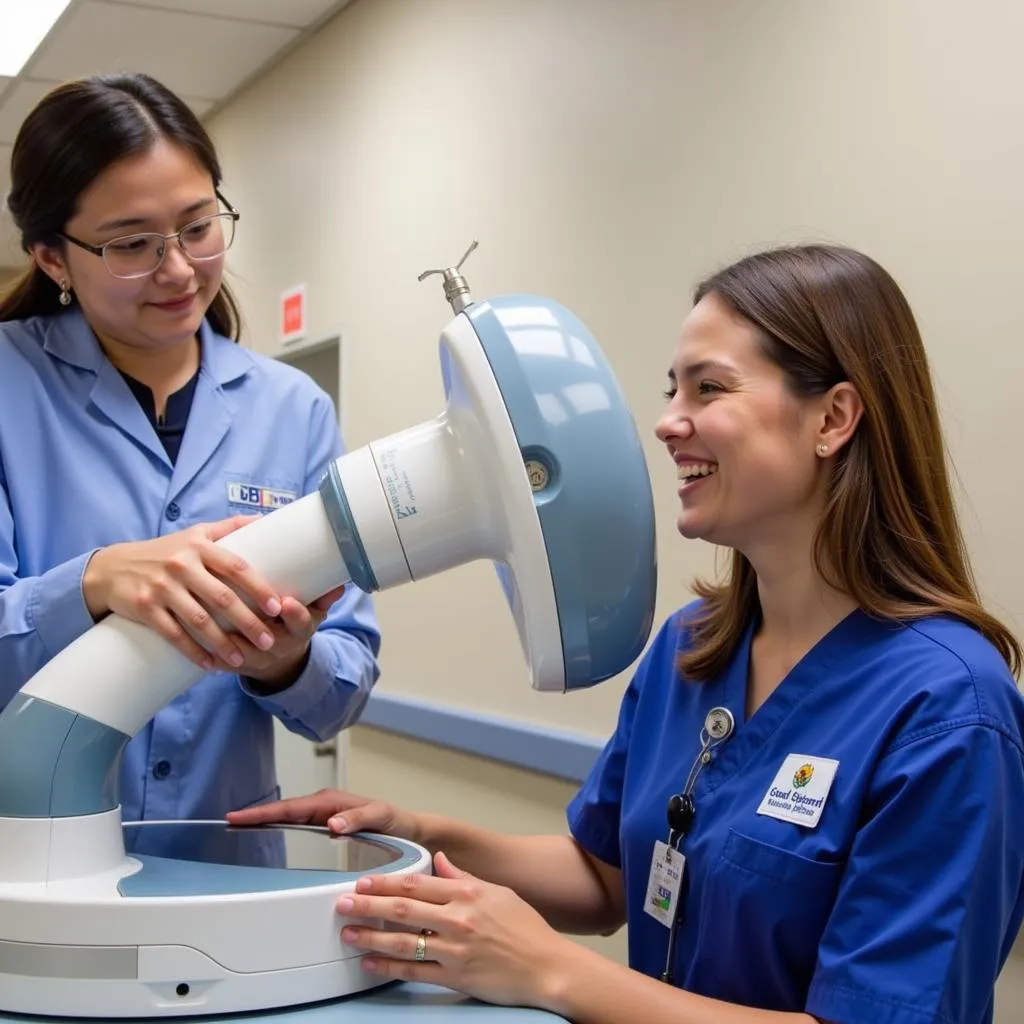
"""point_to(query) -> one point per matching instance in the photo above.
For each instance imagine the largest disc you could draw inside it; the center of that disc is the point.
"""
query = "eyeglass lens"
(139, 255)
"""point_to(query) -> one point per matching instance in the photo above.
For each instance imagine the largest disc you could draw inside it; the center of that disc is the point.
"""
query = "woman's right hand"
(341, 812)
(177, 584)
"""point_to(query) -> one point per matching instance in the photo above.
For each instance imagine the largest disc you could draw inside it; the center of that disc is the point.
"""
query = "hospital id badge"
(664, 882)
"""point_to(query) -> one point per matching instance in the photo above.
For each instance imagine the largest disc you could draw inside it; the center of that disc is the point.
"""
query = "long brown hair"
(889, 536)
(74, 133)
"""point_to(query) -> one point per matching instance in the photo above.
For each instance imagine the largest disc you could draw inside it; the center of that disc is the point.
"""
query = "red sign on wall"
(293, 314)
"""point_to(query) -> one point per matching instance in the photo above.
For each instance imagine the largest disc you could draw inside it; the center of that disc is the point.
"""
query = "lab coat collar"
(222, 359)
(69, 338)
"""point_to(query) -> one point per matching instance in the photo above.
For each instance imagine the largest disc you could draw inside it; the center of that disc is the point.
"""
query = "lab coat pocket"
(249, 493)
(774, 905)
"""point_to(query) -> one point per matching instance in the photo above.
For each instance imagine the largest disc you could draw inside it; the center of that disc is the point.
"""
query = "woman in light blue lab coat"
(811, 806)
(135, 432)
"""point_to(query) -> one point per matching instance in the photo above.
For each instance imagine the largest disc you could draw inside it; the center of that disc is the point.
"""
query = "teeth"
(691, 470)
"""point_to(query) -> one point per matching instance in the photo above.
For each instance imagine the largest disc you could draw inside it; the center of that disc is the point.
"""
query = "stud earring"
(822, 449)
(65, 294)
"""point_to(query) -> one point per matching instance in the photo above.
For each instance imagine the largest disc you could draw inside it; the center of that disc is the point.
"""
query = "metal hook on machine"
(456, 291)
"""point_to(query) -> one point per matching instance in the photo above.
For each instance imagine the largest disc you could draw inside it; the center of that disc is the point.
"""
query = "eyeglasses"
(139, 255)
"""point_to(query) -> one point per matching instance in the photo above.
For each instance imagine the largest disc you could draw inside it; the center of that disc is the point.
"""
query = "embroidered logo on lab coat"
(260, 499)
(800, 789)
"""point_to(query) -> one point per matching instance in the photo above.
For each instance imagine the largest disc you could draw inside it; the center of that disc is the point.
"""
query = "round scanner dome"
(536, 465)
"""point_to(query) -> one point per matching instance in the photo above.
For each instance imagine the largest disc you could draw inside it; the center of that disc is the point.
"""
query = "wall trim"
(535, 747)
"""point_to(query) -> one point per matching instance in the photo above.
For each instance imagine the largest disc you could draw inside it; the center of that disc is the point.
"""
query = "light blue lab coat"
(81, 467)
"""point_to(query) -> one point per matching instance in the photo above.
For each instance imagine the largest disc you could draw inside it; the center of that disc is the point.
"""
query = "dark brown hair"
(72, 135)
(889, 537)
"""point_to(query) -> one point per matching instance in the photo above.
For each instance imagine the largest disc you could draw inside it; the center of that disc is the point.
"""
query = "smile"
(175, 305)
(696, 470)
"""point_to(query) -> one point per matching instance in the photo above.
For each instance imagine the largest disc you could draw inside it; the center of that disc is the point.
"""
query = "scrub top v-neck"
(816, 817)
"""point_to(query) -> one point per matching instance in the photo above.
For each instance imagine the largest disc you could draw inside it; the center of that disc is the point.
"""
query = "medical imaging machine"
(535, 465)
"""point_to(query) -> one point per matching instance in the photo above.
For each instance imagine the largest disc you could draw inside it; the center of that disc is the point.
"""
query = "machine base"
(213, 928)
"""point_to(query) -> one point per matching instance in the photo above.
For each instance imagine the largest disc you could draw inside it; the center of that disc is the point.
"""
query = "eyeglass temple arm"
(220, 195)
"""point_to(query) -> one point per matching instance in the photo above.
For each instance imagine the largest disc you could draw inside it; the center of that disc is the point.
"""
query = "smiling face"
(745, 445)
(161, 190)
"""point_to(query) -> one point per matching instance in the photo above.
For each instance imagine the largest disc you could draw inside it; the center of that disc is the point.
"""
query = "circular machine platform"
(210, 858)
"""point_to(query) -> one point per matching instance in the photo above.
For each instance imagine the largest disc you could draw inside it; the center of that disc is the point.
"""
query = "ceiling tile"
(17, 104)
(298, 13)
(192, 54)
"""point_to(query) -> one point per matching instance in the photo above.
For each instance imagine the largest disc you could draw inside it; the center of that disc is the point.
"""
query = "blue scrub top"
(901, 903)
(81, 467)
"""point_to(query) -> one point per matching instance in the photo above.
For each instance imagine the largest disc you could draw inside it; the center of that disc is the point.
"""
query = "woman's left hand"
(481, 939)
(277, 668)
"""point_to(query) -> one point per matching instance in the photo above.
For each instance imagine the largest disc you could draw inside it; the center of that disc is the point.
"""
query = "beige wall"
(608, 153)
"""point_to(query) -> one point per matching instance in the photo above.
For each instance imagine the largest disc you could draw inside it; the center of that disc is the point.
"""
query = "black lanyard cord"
(681, 810)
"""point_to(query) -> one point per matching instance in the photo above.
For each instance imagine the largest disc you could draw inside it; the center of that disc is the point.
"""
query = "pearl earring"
(65, 294)
(822, 449)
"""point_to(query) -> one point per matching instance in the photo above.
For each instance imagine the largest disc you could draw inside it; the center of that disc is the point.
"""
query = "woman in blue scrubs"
(811, 806)
(135, 432)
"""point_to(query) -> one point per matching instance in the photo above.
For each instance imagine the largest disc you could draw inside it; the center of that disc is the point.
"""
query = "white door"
(304, 767)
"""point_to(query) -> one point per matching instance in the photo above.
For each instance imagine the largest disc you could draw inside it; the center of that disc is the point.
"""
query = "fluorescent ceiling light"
(24, 28)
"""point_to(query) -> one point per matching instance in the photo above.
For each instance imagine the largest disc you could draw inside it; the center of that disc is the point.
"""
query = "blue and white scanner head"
(534, 464)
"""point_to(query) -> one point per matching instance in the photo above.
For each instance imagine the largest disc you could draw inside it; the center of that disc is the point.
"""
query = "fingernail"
(370, 965)
(364, 884)
(345, 905)
(338, 823)
(349, 935)
(273, 606)
(266, 641)
(236, 659)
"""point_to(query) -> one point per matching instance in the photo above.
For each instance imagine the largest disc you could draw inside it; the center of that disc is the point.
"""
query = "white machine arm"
(120, 673)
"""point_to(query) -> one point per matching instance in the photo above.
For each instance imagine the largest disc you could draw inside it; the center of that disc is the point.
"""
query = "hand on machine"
(207, 602)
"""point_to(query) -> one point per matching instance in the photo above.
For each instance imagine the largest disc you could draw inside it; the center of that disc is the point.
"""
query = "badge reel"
(667, 864)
